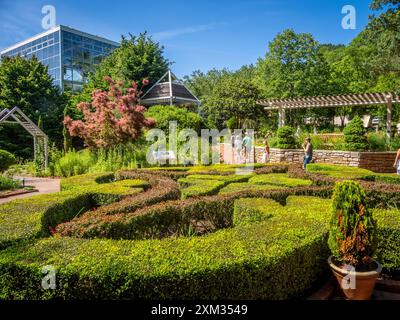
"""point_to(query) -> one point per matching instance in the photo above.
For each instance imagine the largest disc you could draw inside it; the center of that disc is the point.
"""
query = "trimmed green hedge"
(339, 171)
(279, 179)
(35, 216)
(387, 178)
(388, 253)
(203, 185)
(274, 259)
(243, 186)
(262, 250)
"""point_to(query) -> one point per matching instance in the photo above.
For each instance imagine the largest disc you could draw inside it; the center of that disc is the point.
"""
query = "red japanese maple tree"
(113, 117)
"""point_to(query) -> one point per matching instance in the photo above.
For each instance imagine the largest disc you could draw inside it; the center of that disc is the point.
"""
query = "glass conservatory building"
(68, 53)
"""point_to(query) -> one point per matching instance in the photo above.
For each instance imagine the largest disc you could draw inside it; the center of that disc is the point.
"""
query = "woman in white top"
(397, 162)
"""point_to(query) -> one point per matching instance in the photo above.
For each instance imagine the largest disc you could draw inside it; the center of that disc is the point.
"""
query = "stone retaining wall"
(374, 161)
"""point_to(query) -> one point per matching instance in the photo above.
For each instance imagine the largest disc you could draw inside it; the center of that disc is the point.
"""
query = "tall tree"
(137, 58)
(25, 83)
(233, 97)
(294, 66)
(202, 84)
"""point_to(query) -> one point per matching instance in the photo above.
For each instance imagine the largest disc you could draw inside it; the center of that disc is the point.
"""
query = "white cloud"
(173, 33)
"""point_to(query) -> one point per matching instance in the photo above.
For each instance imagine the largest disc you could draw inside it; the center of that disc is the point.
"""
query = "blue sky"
(196, 34)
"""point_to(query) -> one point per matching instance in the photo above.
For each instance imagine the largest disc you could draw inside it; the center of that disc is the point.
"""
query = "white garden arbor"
(346, 100)
(40, 139)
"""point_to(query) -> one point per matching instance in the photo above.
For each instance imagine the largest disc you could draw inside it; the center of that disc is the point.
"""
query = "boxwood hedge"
(35, 216)
(259, 248)
(274, 259)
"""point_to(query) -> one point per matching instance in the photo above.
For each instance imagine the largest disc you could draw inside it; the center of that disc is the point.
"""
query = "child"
(265, 157)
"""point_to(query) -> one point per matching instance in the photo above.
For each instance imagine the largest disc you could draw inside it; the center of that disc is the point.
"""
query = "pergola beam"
(347, 100)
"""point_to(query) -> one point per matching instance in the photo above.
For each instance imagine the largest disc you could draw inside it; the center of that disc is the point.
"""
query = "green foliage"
(339, 171)
(388, 233)
(246, 186)
(25, 83)
(286, 138)
(137, 58)
(279, 179)
(185, 119)
(232, 96)
(103, 160)
(8, 184)
(293, 67)
(254, 257)
(74, 163)
(352, 235)
(250, 210)
(202, 84)
(377, 141)
(200, 185)
(355, 136)
(387, 178)
(34, 217)
(6, 160)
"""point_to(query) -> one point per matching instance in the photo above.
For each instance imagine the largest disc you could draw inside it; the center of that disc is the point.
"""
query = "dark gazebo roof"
(169, 90)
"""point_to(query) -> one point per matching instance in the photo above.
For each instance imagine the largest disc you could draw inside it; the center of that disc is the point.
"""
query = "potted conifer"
(352, 241)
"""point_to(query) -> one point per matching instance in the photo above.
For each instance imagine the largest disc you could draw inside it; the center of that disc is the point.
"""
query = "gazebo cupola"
(169, 90)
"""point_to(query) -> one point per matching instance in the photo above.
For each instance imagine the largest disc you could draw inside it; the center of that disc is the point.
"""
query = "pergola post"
(46, 152)
(388, 118)
(281, 117)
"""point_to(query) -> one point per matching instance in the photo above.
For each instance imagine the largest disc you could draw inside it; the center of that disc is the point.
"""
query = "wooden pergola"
(38, 135)
(346, 100)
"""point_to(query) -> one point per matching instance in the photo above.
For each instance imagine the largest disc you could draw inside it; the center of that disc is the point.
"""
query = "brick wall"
(375, 161)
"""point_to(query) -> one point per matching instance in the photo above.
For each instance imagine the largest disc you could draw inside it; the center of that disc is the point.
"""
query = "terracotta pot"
(356, 285)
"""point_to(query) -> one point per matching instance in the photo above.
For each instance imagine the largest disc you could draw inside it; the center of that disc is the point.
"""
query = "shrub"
(388, 234)
(340, 171)
(352, 235)
(184, 118)
(249, 210)
(74, 163)
(255, 261)
(8, 184)
(160, 189)
(262, 256)
(279, 179)
(286, 138)
(243, 186)
(6, 160)
(354, 135)
(377, 141)
(387, 178)
(201, 185)
(34, 217)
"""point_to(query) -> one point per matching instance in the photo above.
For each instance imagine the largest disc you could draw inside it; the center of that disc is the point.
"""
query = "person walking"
(238, 149)
(247, 145)
(397, 162)
(265, 157)
(308, 152)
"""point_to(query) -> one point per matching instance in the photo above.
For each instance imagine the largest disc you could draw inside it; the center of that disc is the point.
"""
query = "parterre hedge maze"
(200, 232)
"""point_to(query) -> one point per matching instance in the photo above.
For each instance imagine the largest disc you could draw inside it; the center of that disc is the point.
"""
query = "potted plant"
(352, 241)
